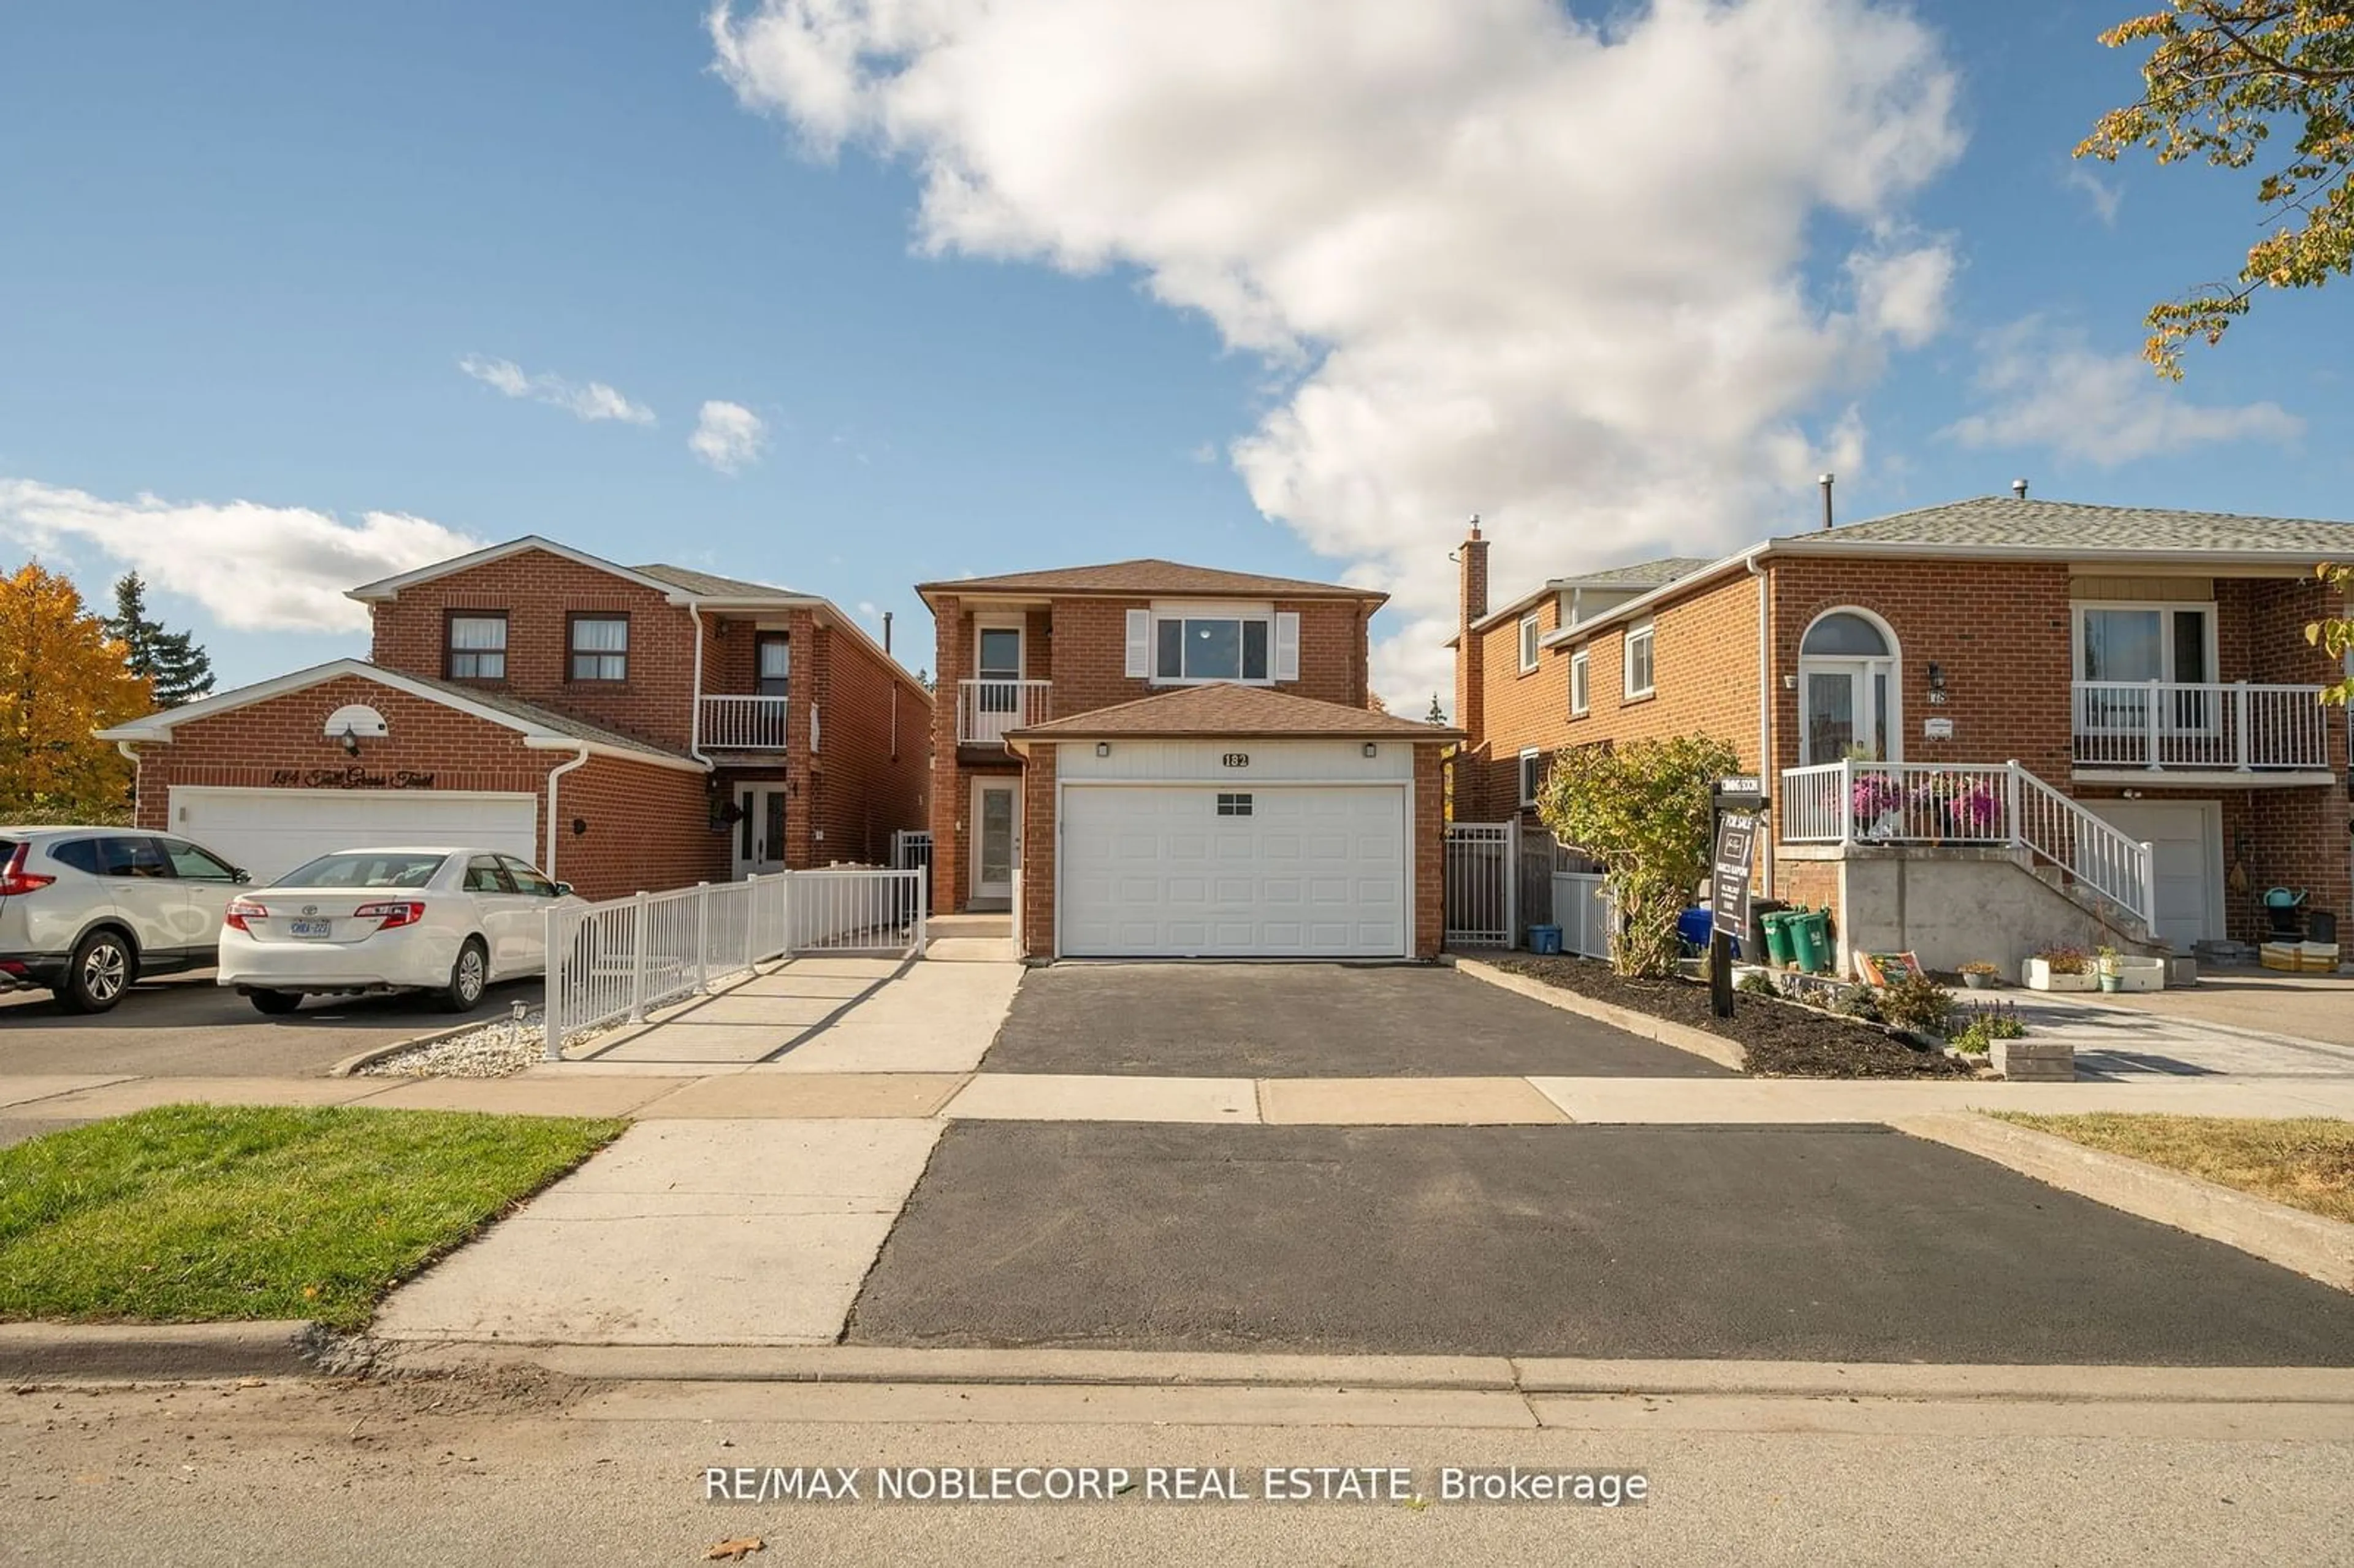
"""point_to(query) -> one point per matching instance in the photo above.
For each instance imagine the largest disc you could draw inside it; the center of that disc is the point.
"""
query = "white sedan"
(449, 921)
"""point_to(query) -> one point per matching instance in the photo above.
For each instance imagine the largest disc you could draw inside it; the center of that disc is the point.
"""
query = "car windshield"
(364, 869)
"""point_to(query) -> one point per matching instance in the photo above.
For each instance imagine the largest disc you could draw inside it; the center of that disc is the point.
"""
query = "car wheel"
(101, 970)
(277, 1003)
(463, 992)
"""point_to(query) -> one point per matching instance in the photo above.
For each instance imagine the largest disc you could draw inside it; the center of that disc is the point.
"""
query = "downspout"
(132, 758)
(559, 771)
(1765, 727)
(695, 716)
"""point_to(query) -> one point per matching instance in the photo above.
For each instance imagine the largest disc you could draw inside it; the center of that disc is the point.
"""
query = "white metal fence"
(2237, 727)
(2003, 804)
(614, 961)
(1480, 866)
(1581, 907)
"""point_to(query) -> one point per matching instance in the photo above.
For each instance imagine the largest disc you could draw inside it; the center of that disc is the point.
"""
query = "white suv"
(87, 911)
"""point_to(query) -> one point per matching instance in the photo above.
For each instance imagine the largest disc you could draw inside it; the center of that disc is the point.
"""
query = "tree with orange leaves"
(62, 678)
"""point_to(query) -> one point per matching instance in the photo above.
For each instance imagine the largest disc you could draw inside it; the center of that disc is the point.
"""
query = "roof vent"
(1826, 483)
(2018, 488)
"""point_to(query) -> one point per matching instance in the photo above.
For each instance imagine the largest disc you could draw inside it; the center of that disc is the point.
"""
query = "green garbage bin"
(1811, 939)
(1778, 950)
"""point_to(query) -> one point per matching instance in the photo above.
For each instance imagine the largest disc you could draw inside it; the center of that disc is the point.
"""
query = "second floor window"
(1528, 644)
(478, 647)
(1212, 649)
(1638, 670)
(774, 677)
(601, 648)
(1579, 680)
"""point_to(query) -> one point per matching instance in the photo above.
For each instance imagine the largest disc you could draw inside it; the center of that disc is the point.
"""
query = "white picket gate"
(613, 961)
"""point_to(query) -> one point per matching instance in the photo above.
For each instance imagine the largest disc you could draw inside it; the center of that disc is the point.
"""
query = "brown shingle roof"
(1221, 710)
(1149, 577)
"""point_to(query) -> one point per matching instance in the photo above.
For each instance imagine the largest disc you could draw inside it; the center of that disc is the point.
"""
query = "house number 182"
(1236, 759)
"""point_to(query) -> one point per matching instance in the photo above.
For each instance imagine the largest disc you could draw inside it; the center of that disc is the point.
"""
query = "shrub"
(1859, 1001)
(1983, 1025)
(1644, 810)
(2064, 960)
(1918, 1003)
(1756, 982)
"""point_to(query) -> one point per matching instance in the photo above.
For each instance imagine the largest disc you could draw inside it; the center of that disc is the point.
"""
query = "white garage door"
(2186, 836)
(267, 832)
(1183, 871)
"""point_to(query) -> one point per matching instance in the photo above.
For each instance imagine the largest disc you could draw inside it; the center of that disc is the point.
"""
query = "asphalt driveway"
(1308, 1020)
(185, 1026)
(1813, 1243)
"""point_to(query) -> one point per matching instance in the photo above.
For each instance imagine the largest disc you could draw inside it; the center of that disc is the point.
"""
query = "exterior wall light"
(1371, 750)
(1103, 748)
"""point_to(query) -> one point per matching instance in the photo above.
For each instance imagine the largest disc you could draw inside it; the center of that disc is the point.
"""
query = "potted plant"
(1875, 798)
(2058, 968)
(1981, 977)
(1962, 805)
(2112, 969)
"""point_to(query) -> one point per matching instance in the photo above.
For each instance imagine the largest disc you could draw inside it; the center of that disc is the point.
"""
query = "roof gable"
(1147, 576)
(389, 588)
(2073, 528)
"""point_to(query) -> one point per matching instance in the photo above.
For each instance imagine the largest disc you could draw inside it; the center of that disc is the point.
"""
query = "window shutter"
(1287, 645)
(1139, 644)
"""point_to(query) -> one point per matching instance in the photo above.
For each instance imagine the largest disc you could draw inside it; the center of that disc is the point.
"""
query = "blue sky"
(249, 247)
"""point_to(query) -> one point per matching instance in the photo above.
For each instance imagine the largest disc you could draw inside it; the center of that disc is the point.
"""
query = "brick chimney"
(1469, 689)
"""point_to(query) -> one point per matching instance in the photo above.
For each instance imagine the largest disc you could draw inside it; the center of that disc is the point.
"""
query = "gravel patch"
(497, 1050)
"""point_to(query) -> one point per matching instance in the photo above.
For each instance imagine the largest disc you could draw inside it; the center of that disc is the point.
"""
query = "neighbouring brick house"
(628, 727)
(1148, 759)
(2145, 671)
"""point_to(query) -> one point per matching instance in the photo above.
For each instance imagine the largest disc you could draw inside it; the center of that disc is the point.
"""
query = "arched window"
(1850, 696)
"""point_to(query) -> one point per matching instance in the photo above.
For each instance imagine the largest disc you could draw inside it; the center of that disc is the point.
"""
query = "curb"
(1697, 1041)
(36, 1353)
(876, 1365)
(350, 1066)
(2318, 1248)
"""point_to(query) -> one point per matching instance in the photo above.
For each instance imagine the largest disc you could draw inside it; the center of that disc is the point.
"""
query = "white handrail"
(745, 724)
(2237, 725)
(986, 709)
(615, 960)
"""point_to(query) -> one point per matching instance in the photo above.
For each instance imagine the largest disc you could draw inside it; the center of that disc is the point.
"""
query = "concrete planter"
(2134, 972)
(2039, 977)
(2035, 1061)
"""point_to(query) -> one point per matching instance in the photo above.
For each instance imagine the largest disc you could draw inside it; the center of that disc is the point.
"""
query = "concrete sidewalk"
(2145, 1037)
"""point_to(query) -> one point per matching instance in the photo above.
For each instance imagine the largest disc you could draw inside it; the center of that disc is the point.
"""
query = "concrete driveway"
(185, 1026)
(1818, 1243)
(1308, 1020)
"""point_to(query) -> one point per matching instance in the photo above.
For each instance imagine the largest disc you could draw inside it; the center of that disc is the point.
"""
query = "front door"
(997, 685)
(1847, 706)
(759, 829)
(996, 837)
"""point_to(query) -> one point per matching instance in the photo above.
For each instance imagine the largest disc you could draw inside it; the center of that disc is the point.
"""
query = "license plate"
(311, 927)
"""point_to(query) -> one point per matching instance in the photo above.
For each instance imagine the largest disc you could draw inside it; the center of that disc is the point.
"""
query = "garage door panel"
(2184, 841)
(1309, 872)
(271, 831)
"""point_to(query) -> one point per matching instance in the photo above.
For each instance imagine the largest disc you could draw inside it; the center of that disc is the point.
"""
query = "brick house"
(1147, 759)
(1988, 726)
(626, 727)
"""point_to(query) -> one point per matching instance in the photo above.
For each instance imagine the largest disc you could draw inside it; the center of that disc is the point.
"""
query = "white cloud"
(2048, 390)
(1504, 260)
(2105, 197)
(728, 436)
(254, 567)
(588, 401)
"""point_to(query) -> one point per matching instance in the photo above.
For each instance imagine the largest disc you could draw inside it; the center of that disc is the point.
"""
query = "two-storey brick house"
(2119, 702)
(1151, 760)
(628, 727)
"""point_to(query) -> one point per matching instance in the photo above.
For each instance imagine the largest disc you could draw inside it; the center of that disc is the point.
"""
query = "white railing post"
(923, 911)
(2149, 886)
(1847, 799)
(555, 974)
(702, 939)
(2239, 741)
(639, 940)
(2014, 830)
(2151, 758)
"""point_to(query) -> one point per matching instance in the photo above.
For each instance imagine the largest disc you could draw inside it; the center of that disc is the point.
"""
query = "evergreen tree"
(179, 670)
(1438, 715)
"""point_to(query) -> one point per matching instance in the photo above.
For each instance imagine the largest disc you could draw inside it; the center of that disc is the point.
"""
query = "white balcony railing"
(744, 724)
(1973, 804)
(2237, 727)
(987, 709)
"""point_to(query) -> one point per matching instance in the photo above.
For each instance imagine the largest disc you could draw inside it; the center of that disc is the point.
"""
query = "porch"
(2130, 729)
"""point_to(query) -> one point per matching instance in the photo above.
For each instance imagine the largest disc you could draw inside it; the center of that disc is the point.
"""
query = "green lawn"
(206, 1212)
(2306, 1163)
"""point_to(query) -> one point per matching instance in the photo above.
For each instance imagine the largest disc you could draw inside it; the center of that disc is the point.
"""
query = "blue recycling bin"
(1692, 928)
(1546, 940)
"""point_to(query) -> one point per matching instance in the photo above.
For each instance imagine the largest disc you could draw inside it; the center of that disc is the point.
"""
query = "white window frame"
(1529, 643)
(1581, 683)
(2188, 716)
(2204, 607)
(1647, 633)
(1869, 672)
(1528, 787)
(1241, 614)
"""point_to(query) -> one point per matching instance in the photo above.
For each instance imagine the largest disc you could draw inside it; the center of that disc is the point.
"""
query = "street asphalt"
(1308, 1020)
(185, 1026)
(1816, 1243)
